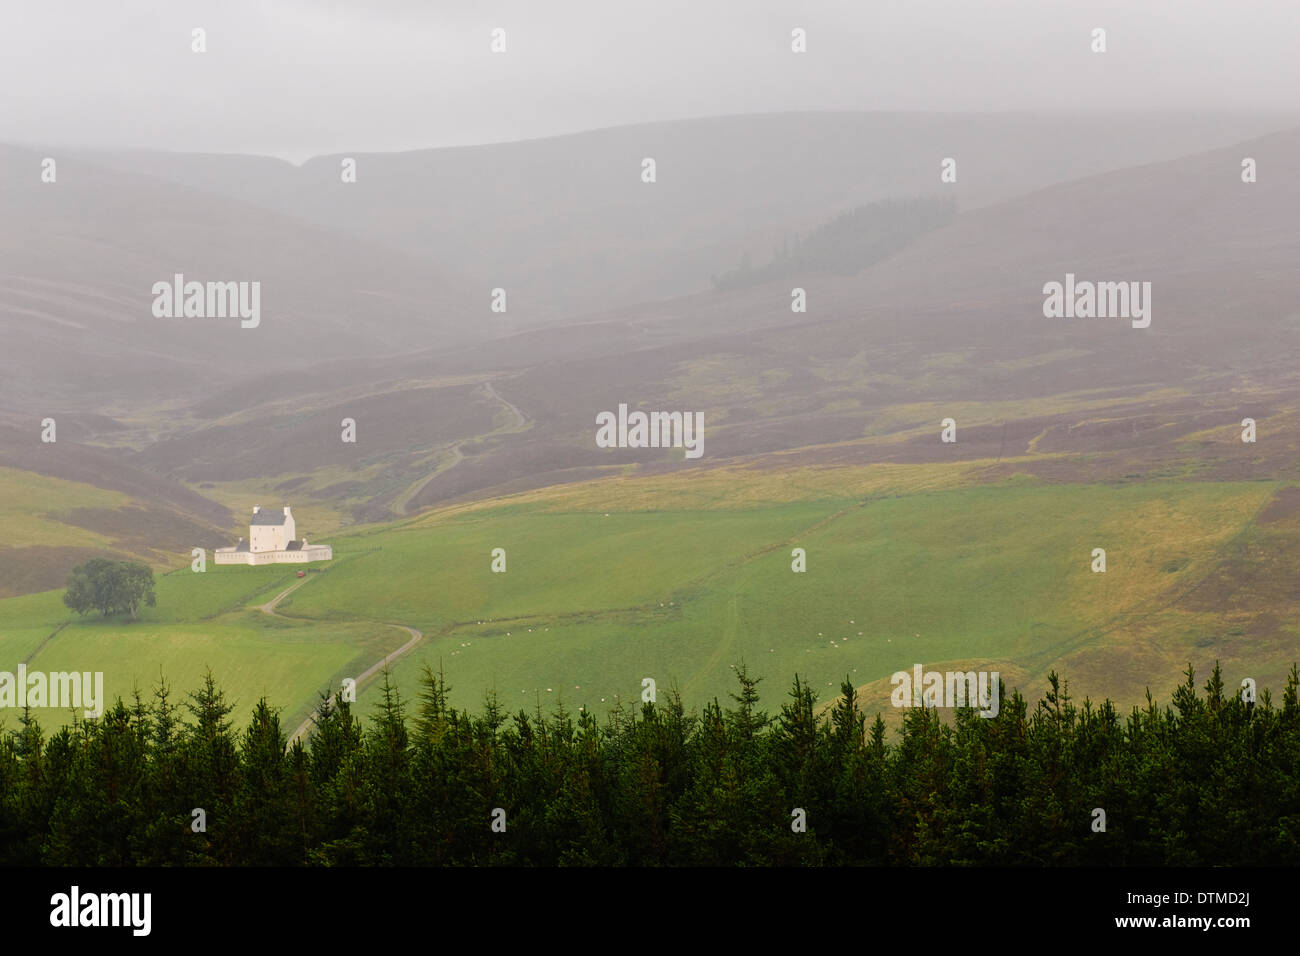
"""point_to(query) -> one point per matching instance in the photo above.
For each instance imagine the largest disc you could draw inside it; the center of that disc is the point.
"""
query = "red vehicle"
(302, 574)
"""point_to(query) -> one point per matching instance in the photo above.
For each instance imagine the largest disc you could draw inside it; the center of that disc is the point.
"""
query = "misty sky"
(296, 78)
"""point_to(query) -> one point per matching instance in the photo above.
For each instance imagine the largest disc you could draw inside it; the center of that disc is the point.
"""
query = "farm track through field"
(457, 456)
(729, 629)
(416, 636)
(48, 637)
(270, 606)
(365, 675)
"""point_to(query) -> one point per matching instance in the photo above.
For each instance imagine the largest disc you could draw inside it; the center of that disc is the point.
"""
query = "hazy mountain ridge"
(81, 257)
(568, 228)
(953, 320)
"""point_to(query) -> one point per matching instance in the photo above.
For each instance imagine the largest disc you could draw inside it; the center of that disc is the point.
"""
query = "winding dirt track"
(270, 606)
(457, 456)
(521, 422)
(416, 636)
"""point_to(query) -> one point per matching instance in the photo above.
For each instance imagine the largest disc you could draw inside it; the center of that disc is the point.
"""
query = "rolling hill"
(821, 432)
(81, 256)
(566, 225)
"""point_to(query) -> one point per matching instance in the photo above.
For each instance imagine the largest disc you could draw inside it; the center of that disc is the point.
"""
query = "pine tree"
(212, 763)
(262, 814)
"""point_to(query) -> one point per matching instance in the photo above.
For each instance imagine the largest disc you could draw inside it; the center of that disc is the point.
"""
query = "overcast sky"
(295, 78)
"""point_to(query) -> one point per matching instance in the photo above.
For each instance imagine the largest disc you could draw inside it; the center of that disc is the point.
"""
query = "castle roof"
(268, 517)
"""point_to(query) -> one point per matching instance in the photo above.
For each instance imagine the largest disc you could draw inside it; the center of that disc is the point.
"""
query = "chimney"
(286, 509)
(256, 508)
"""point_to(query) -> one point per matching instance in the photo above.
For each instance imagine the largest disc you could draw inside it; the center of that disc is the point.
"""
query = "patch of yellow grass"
(1277, 426)
(1188, 525)
(731, 488)
(905, 422)
(29, 503)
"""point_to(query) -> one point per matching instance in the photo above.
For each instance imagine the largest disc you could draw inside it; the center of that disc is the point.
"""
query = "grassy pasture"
(592, 604)
(680, 577)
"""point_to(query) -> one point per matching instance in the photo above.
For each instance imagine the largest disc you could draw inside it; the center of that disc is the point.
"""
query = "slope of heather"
(81, 255)
(567, 226)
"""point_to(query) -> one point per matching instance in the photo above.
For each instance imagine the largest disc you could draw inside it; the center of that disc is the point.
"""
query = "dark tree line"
(847, 244)
(1207, 780)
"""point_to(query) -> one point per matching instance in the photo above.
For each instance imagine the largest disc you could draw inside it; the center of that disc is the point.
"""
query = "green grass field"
(285, 664)
(993, 573)
(200, 622)
(609, 583)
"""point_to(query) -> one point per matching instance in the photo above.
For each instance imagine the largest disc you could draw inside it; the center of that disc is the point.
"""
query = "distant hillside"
(79, 258)
(65, 502)
(567, 226)
(950, 325)
(847, 244)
